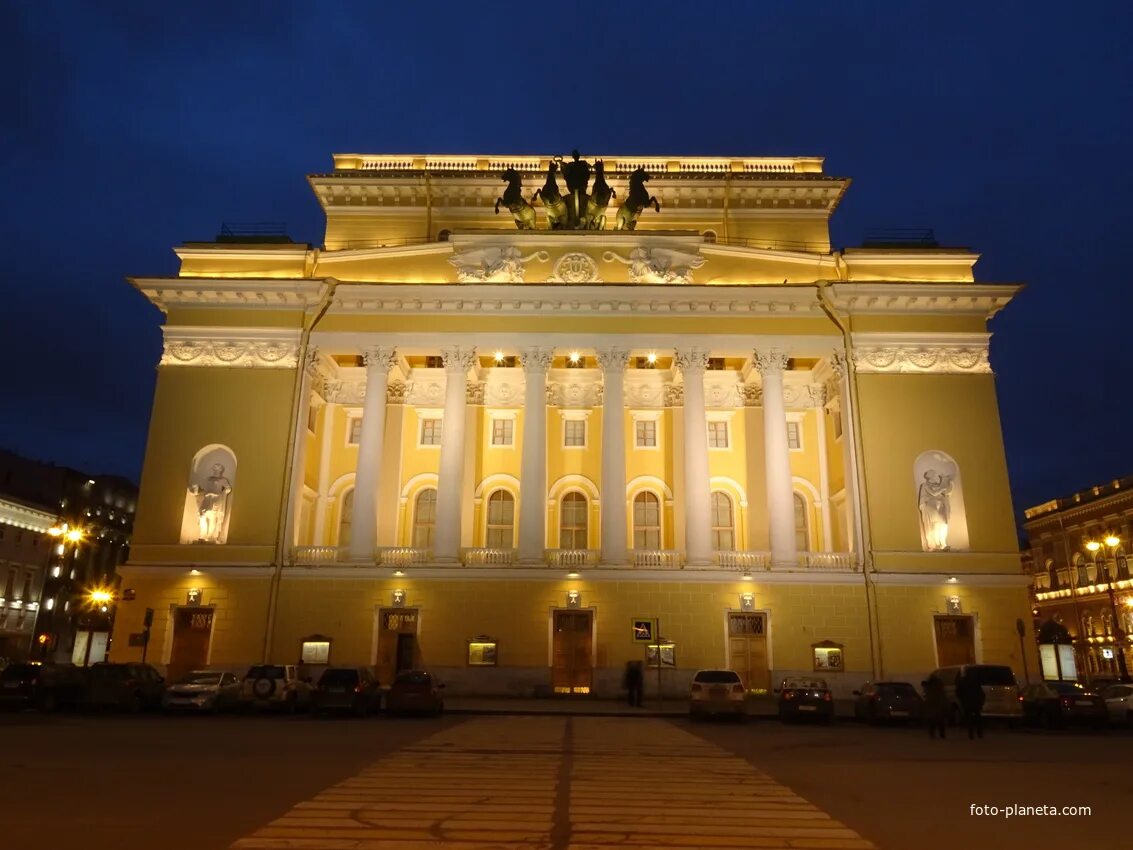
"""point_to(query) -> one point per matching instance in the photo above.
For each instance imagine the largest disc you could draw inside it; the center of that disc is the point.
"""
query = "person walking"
(971, 697)
(935, 706)
(634, 682)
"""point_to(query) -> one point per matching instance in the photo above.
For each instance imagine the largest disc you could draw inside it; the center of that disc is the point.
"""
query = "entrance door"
(955, 641)
(397, 642)
(747, 649)
(192, 629)
(572, 665)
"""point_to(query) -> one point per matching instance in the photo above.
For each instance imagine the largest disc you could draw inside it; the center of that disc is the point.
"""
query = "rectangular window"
(430, 432)
(354, 431)
(715, 364)
(27, 587)
(10, 588)
(794, 436)
(717, 435)
(646, 433)
(574, 432)
(434, 361)
(503, 432)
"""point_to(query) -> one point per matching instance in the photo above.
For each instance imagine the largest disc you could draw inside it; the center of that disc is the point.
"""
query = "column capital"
(536, 359)
(379, 357)
(691, 359)
(458, 360)
(612, 359)
(770, 361)
(838, 363)
(311, 361)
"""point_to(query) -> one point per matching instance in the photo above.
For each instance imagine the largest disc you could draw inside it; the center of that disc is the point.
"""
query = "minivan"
(1001, 691)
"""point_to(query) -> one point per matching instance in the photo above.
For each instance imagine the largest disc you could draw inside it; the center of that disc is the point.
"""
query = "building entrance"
(955, 641)
(572, 651)
(192, 631)
(397, 642)
(747, 649)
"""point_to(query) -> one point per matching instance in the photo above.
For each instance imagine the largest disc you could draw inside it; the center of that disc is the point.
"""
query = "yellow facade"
(831, 385)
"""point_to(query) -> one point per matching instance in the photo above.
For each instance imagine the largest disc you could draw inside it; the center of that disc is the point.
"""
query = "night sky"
(129, 127)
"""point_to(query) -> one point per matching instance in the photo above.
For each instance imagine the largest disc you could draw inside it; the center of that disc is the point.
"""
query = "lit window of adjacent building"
(723, 524)
(425, 519)
(572, 522)
(503, 432)
(574, 432)
(645, 433)
(501, 520)
(802, 532)
(794, 436)
(50, 604)
(430, 432)
(717, 435)
(646, 521)
(354, 431)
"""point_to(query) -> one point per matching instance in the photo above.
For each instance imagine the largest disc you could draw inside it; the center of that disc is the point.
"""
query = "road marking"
(553, 783)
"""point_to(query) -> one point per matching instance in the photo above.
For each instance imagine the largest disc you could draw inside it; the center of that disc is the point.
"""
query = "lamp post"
(67, 536)
(1111, 542)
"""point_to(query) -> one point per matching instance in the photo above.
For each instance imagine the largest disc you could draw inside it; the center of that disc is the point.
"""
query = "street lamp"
(1111, 542)
(67, 536)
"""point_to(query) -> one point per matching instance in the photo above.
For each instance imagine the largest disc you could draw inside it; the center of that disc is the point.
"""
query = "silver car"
(202, 690)
(1119, 703)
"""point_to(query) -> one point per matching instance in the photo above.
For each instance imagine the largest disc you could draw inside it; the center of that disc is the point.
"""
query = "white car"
(275, 686)
(1119, 703)
(717, 692)
(202, 690)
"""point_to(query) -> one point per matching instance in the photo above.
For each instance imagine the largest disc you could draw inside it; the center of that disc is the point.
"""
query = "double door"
(572, 651)
(747, 648)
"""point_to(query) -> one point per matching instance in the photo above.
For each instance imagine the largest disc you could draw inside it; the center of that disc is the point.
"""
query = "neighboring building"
(67, 566)
(521, 457)
(1078, 557)
(25, 549)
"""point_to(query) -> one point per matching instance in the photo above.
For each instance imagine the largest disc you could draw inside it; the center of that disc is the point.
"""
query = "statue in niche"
(212, 504)
(933, 500)
(513, 199)
(637, 200)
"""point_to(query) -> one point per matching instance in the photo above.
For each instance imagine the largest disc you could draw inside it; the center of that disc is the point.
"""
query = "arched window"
(501, 520)
(723, 524)
(1080, 570)
(1052, 574)
(1122, 563)
(425, 519)
(345, 517)
(572, 522)
(802, 530)
(646, 521)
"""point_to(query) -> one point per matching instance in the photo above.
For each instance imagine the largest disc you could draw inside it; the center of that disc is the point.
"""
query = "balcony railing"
(731, 559)
(402, 556)
(392, 556)
(575, 558)
(657, 559)
(487, 557)
(840, 561)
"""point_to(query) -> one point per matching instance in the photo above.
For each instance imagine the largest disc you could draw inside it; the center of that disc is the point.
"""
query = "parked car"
(1001, 691)
(353, 689)
(202, 690)
(1058, 703)
(275, 686)
(415, 691)
(1118, 701)
(878, 701)
(804, 697)
(42, 686)
(717, 692)
(132, 687)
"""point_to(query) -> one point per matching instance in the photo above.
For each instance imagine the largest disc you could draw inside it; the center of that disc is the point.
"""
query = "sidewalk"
(761, 707)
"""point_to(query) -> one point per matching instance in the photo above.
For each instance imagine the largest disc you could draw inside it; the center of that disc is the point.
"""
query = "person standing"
(935, 706)
(971, 697)
(634, 682)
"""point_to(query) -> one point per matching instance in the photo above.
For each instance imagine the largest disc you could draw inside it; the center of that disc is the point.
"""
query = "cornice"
(213, 251)
(924, 297)
(263, 348)
(248, 293)
(947, 353)
(24, 516)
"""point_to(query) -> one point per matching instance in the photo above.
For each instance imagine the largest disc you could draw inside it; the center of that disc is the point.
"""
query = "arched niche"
(208, 496)
(939, 495)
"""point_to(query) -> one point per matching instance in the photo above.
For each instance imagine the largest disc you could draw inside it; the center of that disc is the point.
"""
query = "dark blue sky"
(128, 127)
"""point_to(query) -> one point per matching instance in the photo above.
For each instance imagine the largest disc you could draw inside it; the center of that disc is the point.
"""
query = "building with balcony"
(520, 446)
(1080, 579)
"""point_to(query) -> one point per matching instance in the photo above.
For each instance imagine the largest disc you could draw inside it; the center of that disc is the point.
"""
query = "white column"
(818, 396)
(533, 461)
(299, 456)
(849, 455)
(446, 537)
(780, 493)
(364, 520)
(613, 485)
(322, 504)
(697, 491)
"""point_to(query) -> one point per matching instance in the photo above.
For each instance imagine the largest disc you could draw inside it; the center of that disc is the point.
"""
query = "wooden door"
(572, 666)
(192, 630)
(955, 641)
(747, 649)
(397, 642)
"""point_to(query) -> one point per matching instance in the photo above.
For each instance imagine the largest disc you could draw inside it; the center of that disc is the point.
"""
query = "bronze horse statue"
(599, 199)
(512, 198)
(553, 202)
(637, 200)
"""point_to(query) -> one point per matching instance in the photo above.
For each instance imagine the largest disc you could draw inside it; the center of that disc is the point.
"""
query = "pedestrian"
(634, 682)
(935, 706)
(971, 697)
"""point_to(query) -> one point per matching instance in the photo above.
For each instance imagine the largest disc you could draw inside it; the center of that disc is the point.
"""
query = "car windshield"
(204, 678)
(1067, 688)
(896, 688)
(339, 676)
(717, 677)
(413, 677)
(18, 672)
(266, 671)
(109, 671)
(994, 675)
(817, 684)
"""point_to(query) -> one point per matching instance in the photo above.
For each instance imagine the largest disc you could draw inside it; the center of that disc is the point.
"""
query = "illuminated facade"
(518, 454)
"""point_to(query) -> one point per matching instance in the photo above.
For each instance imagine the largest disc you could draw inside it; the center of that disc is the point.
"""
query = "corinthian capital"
(612, 359)
(458, 360)
(770, 361)
(536, 359)
(691, 359)
(838, 364)
(379, 357)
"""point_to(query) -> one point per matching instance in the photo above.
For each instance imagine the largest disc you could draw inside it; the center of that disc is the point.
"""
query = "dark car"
(43, 686)
(353, 689)
(415, 691)
(1058, 703)
(802, 697)
(878, 701)
(132, 687)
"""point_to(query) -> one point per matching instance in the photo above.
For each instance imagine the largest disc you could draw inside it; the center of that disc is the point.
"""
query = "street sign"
(137, 639)
(644, 629)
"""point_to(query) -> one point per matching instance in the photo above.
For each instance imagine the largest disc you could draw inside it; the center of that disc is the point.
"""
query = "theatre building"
(650, 415)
